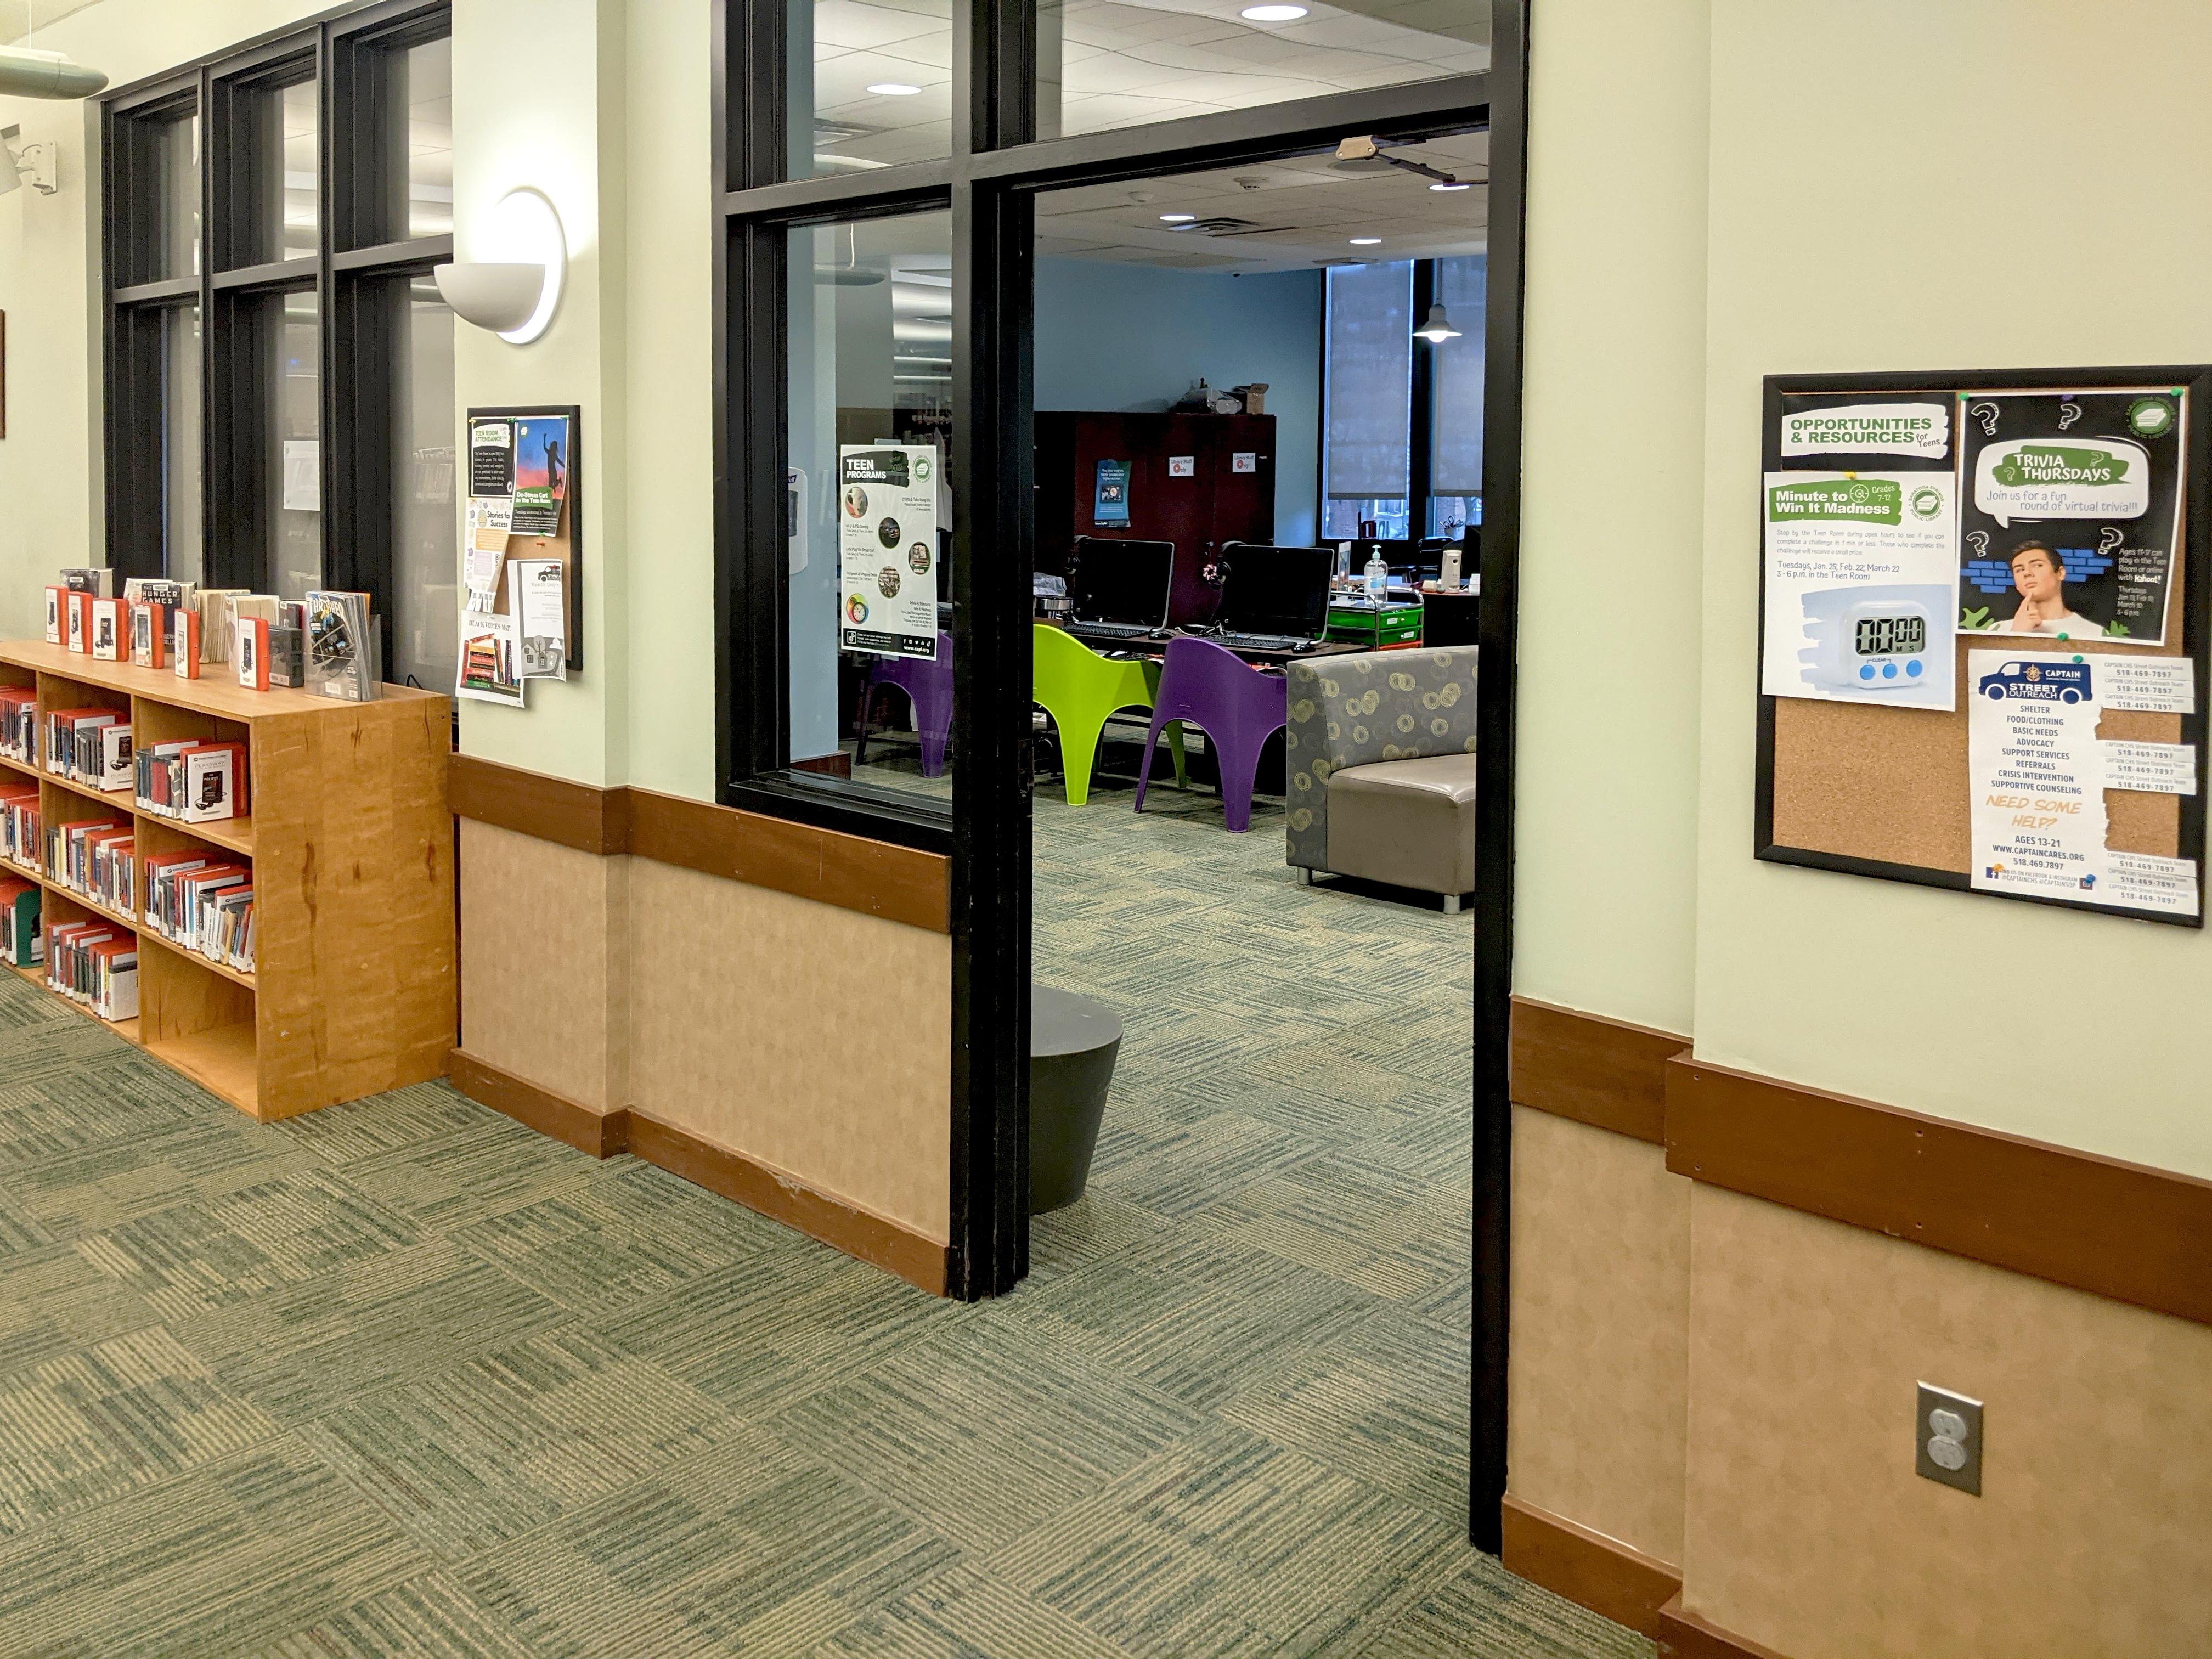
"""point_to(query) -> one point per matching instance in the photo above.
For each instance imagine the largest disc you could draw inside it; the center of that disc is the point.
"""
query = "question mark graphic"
(1979, 541)
(2068, 414)
(1987, 415)
(2109, 539)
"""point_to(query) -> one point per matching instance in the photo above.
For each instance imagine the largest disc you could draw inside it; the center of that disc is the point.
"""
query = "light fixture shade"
(500, 297)
(1438, 329)
(27, 73)
(514, 292)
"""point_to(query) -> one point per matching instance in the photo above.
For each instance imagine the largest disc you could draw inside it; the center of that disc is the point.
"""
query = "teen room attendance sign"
(887, 548)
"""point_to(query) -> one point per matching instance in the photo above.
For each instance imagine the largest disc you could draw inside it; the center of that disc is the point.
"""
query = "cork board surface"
(1890, 784)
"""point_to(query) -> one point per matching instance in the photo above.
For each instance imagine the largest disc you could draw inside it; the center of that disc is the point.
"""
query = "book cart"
(351, 845)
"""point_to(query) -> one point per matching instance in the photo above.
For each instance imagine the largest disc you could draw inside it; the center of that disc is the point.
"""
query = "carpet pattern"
(403, 1377)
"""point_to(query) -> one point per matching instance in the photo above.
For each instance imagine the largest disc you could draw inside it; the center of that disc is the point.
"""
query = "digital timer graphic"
(1873, 638)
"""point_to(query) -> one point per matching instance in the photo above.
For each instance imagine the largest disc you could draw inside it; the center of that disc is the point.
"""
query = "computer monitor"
(1427, 561)
(1275, 590)
(1113, 581)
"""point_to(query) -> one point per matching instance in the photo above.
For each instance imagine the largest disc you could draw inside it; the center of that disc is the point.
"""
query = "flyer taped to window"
(1861, 538)
(887, 548)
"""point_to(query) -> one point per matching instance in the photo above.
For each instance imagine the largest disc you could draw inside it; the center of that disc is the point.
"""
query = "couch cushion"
(1449, 775)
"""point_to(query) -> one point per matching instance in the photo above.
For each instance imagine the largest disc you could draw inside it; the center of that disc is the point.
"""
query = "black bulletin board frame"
(568, 545)
(2197, 600)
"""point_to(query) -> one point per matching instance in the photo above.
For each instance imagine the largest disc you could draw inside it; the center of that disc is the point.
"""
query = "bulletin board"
(1870, 777)
(567, 545)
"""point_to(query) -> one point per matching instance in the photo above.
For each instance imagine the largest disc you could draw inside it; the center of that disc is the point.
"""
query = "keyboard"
(1264, 642)
(1118, 630)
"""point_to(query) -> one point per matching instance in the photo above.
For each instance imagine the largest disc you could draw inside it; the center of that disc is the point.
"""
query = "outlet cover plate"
(1947, 1438)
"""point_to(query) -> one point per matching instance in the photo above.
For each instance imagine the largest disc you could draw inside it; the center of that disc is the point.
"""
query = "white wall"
(1605, 776)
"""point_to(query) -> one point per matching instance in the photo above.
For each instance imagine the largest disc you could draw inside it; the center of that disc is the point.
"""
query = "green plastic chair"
(1080, 689)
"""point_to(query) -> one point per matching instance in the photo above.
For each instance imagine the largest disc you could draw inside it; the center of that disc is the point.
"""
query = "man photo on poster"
(2038, 576)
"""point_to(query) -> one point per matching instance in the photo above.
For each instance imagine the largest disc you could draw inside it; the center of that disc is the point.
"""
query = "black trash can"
(1074, 1043)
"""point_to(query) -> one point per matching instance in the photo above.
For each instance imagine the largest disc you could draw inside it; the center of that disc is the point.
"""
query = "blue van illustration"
(2037, 680)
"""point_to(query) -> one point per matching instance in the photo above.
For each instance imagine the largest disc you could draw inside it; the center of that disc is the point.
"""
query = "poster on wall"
(1110, 504)
(887, 548)
(2071, 511)
(2038, 773)
(1860, 538)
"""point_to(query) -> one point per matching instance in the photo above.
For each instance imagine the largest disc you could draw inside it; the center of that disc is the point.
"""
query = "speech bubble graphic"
(2068, 414)
(2110, 537)
(2077, 478)
(1987, 415)
(1894, 429)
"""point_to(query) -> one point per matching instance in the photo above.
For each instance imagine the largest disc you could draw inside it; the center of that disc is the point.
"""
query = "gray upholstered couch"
(1380, 756)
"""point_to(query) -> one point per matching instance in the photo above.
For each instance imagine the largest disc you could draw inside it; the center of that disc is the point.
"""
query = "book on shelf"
(149, 633)
(214, 604)
(249, 648)
(95, 580)
(23, 941)
(159, 590)
(81, 855)
(181, 888)
(341, 647)
(185, 642)
(90, 962)
(226, 932)
(21, 838)
(192, 781)
(111, 631)
(57, 604)
(287, 654)
(79, 627)
(19, 724)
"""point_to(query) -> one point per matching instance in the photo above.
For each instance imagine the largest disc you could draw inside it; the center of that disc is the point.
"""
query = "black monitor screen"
(1118, 582)
(1276, 590)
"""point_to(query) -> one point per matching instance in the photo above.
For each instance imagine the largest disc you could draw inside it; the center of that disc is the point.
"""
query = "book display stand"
(350, 843)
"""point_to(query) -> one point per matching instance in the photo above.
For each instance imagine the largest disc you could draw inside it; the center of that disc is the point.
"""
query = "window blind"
(1369, 419)
(1456, 449)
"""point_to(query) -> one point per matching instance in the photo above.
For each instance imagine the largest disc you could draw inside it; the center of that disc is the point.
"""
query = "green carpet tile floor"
(403, 1377)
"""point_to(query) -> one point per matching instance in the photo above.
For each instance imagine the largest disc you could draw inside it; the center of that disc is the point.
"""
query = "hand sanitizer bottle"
(1378, 575)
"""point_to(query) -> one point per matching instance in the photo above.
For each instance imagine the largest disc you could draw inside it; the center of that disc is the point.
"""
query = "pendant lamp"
(1438, 329)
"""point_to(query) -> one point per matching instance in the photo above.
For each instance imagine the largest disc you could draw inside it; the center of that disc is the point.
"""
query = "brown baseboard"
(1682, 1635)
(2119, 1230)
(1601, 1071)
(599, 1133)
(921, 1261)
(1586, 1567)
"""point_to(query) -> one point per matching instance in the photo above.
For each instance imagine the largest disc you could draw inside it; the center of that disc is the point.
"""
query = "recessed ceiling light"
(1453, 185)
(1272, 13)
(893, 89)
(1366, 241)
(1177, 218)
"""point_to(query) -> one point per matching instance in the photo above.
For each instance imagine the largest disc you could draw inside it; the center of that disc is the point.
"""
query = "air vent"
(1224, 225)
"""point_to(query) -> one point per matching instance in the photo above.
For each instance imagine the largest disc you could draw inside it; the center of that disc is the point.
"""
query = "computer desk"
(1158, 647)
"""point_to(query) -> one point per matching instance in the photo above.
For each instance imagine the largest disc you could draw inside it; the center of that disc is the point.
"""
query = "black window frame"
(990, 180)
(360, 173)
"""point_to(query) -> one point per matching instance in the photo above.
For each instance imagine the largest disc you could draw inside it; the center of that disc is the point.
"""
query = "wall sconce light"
(34, 165)
(516, 294)
(27, 73)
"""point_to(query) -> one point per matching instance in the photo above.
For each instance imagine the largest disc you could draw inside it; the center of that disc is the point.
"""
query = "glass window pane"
(429, 99)
(1367, 436)
(869, 463)
(299, 126)
(871, 83)
(181, 443)
(1104, 64)
(291, 346)
(425, 541)
(1455, 451)
(174, 157)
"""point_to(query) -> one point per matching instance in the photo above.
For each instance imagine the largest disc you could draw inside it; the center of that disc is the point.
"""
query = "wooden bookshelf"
(355, 989)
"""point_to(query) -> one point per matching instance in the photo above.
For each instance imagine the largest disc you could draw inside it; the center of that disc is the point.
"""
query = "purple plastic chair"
(1237, 708)
(928, 683)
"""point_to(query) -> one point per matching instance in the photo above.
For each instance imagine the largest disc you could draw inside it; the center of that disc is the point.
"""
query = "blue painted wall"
(1134, 337)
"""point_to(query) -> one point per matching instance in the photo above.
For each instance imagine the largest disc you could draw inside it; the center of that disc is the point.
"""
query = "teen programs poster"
(1860, 538)
(2071, 519)
(887, 548)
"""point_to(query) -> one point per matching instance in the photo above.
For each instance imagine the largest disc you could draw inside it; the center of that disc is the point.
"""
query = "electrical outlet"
(1947, 1438)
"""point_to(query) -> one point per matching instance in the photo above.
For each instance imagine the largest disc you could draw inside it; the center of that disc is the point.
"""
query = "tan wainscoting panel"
(814, 1039)
(1597, 1408)
(1601, 1071)
(1808, 1530)
(1589, 1569)
(1686, 1635)
(899, 884)
(2141, 1234)
(543, 963)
